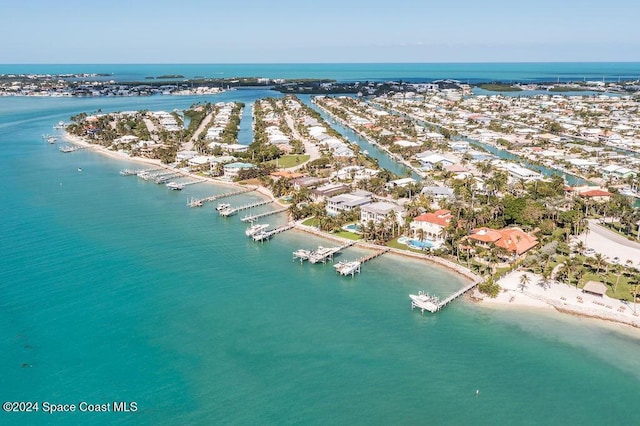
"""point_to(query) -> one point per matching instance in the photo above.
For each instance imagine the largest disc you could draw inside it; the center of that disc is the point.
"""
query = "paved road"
(610, 244)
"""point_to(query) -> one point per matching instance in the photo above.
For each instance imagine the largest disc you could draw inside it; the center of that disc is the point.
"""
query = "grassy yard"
(287, 161)
(348, 235)
(396, 245)
(313, 221)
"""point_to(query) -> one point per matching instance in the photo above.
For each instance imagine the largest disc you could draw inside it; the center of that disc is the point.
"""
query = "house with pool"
(429, 228)
(381, 210)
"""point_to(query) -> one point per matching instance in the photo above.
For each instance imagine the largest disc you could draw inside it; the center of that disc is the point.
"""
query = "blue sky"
(281, 31)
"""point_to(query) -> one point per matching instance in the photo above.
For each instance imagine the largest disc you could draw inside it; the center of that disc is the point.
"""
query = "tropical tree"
(524, 282)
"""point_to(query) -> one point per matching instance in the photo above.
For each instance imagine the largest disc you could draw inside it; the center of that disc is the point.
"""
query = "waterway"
(384, 160)
(111, 289)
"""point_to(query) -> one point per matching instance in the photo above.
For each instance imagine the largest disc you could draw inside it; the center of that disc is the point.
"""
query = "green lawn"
(287, 161)
(348, 235)
(312, 221)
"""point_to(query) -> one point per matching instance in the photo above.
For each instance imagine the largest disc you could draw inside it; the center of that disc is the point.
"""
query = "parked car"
(589, 251)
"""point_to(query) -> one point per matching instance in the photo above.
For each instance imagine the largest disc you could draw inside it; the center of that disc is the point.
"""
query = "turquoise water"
(471, 72)
(111, 289)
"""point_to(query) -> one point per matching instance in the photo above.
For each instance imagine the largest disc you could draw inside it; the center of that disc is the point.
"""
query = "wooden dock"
(266, 235)
(233, 210)
(372, 256)
(322, 254)
(354, 267)
(199, 202)
(130, 172)
(254, 217)
(433, 304)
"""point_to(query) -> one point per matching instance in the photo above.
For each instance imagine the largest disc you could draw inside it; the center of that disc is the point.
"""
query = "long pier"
(199, 202)
(373, 255)
(251, 218)
(233, 210)
(457, 294)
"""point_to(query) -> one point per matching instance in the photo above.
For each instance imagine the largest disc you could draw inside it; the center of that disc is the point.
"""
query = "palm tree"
(546, 279)
(599, 259)
(524, 282)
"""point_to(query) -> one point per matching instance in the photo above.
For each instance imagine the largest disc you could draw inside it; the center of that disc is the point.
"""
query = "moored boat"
(223, 206)
(175, 186)
(256, 229)
(424, 302)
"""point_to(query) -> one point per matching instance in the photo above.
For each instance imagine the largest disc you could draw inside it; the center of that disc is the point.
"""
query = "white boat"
(223, 206)
(424, 302)
(51, 139)
(256, 229)
(347, 268)
(59, 126)
(68, 148)
(175, 186)
(260, 236)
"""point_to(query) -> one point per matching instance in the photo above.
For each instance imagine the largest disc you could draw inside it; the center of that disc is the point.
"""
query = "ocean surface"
(111, 289)
(466, 72)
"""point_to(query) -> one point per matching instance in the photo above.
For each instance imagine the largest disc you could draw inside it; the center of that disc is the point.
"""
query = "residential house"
(231, 170)
(379, 211)
(347, 202)
(430, 226)
(513, 240)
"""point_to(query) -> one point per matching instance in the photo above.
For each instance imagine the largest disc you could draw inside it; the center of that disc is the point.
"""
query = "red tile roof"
(514, 240)
(439, 217)
(595, 193)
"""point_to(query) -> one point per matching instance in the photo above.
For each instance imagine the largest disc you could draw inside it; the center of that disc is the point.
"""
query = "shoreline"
(460, 270)
(562, 298)
(509, 296)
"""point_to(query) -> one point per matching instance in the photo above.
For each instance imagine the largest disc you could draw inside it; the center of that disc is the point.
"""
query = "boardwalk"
(199, 202)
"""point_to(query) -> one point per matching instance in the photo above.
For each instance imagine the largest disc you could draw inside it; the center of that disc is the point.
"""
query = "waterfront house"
(617, 172)
(347, 202)
(430, 160)
(400, 182)
(379, 211)
(438, 192)
(513, 240)
(518, 172)
(307, 182)
(321, 193)
(430, 226)
(231, 170)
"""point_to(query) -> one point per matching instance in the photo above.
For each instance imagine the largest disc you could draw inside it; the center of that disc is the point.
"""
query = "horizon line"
(323, 63)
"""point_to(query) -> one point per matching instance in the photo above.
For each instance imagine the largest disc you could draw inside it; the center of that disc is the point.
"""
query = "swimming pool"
(353, 227)
(416, 244)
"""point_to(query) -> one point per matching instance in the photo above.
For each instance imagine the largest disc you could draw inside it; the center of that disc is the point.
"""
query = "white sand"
(564, 298)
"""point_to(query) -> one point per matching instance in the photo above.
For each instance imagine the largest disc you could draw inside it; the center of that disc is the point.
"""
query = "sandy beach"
(563, 298)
